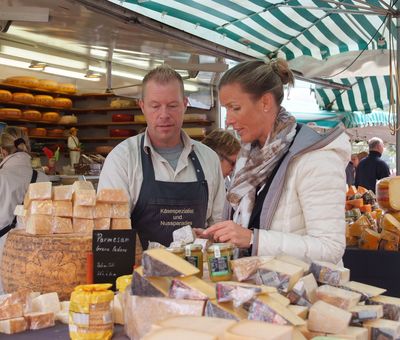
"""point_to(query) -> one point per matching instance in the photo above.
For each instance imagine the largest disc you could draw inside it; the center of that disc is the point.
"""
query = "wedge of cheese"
(383, 329)
(390, 223)
(253, 330)
(160, 262)
(178, 334)
(391, 306)
(224, 311)
(325, 272)
(366, 290)
(327, 318)
(363, 313)
(192, 288)
(46, 303)
(338, 297)
(304, 291)
(243, 268)
(149, 286)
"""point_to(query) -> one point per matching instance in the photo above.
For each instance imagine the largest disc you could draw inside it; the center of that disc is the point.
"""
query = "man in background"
(372, 168)
(351, 169)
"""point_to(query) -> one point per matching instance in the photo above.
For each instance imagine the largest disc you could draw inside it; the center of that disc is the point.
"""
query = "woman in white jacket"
(288, 191)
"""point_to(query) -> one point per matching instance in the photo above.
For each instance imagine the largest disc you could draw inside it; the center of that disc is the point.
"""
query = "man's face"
(163, 106)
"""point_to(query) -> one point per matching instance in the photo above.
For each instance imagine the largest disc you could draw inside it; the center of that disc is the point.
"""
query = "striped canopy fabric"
(329, 39)
(360, 120)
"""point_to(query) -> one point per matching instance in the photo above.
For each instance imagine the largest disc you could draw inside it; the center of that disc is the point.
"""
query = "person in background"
(74, 147)
(351, 169)
(16, 174)
(372, 168)
(227, 147)
(361, 155)
(172, 180)
(288, 190)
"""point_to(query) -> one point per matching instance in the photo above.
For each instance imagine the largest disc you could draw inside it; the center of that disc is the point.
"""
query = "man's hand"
(230, 232)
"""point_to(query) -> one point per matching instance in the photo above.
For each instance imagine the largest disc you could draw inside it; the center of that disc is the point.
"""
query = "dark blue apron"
(163, 207)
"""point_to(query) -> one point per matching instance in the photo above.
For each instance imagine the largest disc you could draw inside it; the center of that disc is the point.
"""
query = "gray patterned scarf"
(255, 164)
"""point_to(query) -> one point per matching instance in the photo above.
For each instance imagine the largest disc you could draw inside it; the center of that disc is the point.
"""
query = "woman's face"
(252, 119)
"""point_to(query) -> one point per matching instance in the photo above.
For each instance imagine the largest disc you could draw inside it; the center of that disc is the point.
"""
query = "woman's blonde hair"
(257, 77)
(222, 142)
(14, 139)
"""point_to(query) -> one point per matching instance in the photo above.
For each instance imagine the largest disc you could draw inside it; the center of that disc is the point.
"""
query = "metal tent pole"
(397, 95)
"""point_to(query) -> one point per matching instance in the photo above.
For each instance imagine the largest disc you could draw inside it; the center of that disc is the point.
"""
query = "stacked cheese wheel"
(11, 113)
(5, 96)
(31, 82)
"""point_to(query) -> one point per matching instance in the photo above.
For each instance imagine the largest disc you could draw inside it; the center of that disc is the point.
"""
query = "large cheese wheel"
(5, 96)
(44, 263)
(44, 100)
(31, 115)
(23, 81)
(62, 102)
(66, 88)
(38, 132)
(51, 116)
(55, 133)
(47, 84)
(388, 193)
(22, 97)
(10, 113)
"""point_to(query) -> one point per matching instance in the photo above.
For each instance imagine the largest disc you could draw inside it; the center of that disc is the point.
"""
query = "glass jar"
(194, 255)
(178, 251)
(219, 256)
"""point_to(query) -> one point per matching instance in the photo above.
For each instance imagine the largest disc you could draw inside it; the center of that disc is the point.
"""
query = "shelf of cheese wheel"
(47, 252)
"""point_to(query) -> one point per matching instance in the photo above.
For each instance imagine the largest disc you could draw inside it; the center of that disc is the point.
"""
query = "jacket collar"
(16, 159)
(374, 154)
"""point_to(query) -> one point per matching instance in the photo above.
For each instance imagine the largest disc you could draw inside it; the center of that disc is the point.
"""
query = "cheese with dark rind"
(160, 262)
(366, 290)
(192, 288)
(243, 268)
(383, 329)
(363, 313)
(388, 193)
(303, 292)
(149, 286)
(391, 306)
(224, 311)
(325, 272)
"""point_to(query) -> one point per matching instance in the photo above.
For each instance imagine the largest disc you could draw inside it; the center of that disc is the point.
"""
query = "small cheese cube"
(62, 225)
(12, 326)
(112, 196)
(224, 311)
(81, 211)
(62, 208)
(39, 320)
(40, 191)
(102, 210)
(9, 311)
(82, 185)
(39, 224)
(82, 225)
(62, 193)
(84, 197)
(46, 303)
(44, 207)
(327, 318)
(121, 223)
(120, 211)
(102, 223)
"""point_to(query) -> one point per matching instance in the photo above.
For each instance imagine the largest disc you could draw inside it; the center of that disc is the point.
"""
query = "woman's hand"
(230, 232)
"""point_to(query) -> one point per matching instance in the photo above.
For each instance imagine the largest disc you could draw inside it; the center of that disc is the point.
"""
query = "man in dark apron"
(172, 180)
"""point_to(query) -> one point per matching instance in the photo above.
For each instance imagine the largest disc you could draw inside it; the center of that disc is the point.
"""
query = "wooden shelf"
(35, 122)
(105, 109)
(49, 138)
(30, 89)
(106, 124)
(34, 106)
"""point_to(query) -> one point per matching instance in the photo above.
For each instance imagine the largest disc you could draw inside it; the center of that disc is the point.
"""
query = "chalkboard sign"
(113, 254)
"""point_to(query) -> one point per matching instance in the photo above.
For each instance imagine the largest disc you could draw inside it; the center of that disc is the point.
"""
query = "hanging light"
(38, 65)
(92, 74)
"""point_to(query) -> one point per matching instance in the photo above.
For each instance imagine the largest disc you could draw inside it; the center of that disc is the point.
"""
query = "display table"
(58, 332)
(377, 268)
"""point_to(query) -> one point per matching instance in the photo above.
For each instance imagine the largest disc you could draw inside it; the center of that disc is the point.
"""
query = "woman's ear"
(267, 102)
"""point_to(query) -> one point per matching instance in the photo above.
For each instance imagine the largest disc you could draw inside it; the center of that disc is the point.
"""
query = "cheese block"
(39, 224)
(118, 313)
(178, 334)
(362, 313)
(303, 292)
(295, 261)
(215, 326)
(149, 286)
(120, 210)
(243, 268)
(365, 290)
(82, 185)
(46, 303)
(44, 100)
(21, 97)
(192, 288)
(62, 316)
(11, 310)
(369, 240)
(300, 311)
(267, 309)
(388, 193)
(102, 223)
(102, 210)
(22, 81)
(112, 196)
(279, 274)
(356, 229)
(326, 318)
(10, 113)
(161, 262)
(12, 326)
(383, 329)
(66, 88)
(121, 224)
(81, 211)
(82, 225)
(390, 223)
(40, 191)
(325, 272)
(185, 235)
(68, 119)
(62, 208)
(65, 305)
(5, 96)
(47, 84)
(254, 330)
(153, 310)
(39, 320)
(37, 132)
(391, 306)
(307, 334)
(44, 207)
(282, 300)
(62, 102)
(31, 115)
(224, 310)
(62, 225)
(53, 117)
(84, 197)
(389, 241)
(338, 297)
(22, 296)
(352, 333)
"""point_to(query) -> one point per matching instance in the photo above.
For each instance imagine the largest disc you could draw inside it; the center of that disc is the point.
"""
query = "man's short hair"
(222, 142)
(374, 142)
(162, 74)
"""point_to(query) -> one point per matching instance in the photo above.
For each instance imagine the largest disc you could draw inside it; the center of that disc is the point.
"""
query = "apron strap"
(6, 229)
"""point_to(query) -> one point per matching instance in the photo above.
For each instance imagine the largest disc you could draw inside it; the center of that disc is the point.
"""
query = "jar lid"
(175, 250)
(220, 246)
(194, 246)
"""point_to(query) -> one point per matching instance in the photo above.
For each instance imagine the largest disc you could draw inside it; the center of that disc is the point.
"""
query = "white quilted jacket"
(308, 222)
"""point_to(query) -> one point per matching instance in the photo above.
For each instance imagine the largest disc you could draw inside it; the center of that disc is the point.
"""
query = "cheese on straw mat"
(160, 262)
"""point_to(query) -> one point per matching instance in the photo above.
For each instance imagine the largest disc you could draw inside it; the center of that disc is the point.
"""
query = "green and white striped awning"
(361, 120)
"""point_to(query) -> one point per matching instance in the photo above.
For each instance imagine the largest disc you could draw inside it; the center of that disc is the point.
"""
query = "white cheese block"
(325, 272)
(362, 313)
(160, 262)
(338, 297)
(84, 185)
(39, 320)
(46, 303)
(110, 195)
(178, 334)
(12, 326)
(254, 330)
(327, 318)
(383, 329)
(40, 191)
(118, 312)
(367, 290)
(391, 306)
(295, 261)
(62, 193)
(62, 316)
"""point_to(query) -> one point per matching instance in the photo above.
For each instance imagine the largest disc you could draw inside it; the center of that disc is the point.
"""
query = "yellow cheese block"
(121, 224)
(44, 207)
(62, 225)
(112, 196)
(369, 240)
(39, 224)
(390, 223)
(102, 210)
(388, 193)
(102, 223)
